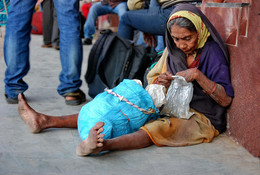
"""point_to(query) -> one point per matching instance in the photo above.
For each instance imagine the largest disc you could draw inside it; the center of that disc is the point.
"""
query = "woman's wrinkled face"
(184, 39)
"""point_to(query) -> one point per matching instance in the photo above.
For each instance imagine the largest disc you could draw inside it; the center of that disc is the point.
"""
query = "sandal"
(79, 96)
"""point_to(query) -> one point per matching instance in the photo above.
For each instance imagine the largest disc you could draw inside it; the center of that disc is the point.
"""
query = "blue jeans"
(98, 10)
(16, 46)
(152, 21)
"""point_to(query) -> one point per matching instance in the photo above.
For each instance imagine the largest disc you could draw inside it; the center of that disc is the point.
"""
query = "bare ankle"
(42, 121)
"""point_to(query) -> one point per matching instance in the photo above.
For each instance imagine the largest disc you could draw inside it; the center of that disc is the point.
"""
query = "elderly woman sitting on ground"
(196, 52)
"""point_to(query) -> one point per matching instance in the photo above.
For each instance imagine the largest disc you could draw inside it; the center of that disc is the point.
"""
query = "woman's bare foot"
(94, 143)
(28, 115)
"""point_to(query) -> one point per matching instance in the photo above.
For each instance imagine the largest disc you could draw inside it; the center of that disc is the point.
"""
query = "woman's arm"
(216, 91)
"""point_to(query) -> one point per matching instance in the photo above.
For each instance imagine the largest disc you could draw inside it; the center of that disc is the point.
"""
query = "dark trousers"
(50, 23)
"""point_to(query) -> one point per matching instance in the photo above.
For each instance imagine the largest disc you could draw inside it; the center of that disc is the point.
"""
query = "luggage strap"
(122, 98)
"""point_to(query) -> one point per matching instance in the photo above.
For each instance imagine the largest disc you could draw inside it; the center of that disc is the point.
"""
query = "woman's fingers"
(165, 79)
(189, 74)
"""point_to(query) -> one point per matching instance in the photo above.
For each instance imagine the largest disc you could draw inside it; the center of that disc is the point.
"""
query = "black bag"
(112, 59)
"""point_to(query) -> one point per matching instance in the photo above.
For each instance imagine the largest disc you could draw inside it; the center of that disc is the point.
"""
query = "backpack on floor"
(113, 59)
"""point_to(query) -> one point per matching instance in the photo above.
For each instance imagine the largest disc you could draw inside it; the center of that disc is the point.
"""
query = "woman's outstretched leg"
(38, 121)
(95, 142)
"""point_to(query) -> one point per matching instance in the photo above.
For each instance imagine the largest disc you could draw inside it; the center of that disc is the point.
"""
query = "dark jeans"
(50, 23)
(152, 21)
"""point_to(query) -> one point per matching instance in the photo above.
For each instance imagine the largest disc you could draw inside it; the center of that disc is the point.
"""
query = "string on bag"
(122, 98)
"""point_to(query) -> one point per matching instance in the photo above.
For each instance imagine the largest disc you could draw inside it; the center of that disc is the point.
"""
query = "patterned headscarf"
(202, 30)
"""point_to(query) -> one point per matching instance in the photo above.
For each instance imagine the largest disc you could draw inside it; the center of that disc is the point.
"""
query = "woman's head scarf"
(200, 21)
(203, 32)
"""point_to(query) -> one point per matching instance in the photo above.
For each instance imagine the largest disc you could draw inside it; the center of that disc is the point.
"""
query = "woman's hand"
(215, 91)
(165, 79)
(189, 74)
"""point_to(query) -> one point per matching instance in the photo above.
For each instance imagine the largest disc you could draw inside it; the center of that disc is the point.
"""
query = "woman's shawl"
(175, 60)
(159, 68)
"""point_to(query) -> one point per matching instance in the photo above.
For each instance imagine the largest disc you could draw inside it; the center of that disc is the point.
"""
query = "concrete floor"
(53, 151)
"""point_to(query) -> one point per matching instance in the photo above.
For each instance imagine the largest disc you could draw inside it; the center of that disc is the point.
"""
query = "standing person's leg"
(90, 25)
(38, 121)
(70, 51)
(16, 47)
(55, 31)
(47, 22)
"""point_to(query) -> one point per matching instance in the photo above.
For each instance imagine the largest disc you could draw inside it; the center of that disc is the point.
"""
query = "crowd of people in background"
(61, 30)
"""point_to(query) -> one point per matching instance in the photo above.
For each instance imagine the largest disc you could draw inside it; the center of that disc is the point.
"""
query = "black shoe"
(87, 41)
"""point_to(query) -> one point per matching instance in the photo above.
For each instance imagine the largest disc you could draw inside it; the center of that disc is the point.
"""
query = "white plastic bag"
(158, 94)
(178, 99)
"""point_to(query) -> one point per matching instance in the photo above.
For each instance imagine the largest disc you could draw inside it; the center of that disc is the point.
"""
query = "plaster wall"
(244, 113)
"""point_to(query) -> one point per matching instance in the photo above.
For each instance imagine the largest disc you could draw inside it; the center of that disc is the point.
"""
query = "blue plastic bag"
(119, 117)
